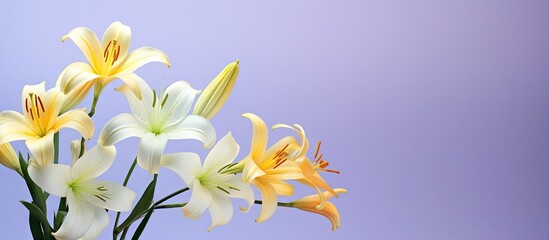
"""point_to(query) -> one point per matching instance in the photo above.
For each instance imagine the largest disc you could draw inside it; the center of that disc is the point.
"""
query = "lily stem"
(56, 148)
(280, 204)
(128, 175)
(157, 203)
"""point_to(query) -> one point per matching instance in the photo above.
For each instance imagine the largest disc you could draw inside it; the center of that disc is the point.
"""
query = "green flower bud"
(212, 99)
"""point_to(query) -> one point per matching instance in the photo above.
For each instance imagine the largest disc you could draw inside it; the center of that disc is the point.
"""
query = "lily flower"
(157, 118)
(211, 189)
(41, 120)
(107, 60)
(310, 169)
(311, 202)
(87, 197)
(267, 169)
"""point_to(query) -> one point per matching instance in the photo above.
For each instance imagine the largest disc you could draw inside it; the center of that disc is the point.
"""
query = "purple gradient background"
(434, 111)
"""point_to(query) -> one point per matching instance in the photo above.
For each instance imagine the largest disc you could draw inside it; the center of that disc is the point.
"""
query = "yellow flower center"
(35, 109)
(111, 52)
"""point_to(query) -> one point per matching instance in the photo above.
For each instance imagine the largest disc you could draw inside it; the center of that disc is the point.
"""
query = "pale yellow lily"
(41, 120)
(267, 169)
(107, 61)
(8, 158)
(310, 169)
(311, 202)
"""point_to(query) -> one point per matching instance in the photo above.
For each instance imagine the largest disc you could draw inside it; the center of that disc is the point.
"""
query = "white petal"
(185, 164)
(120, 33)
(54, 179)
(244, 191)
(139, 96)
(223, 153)
(194, 127)
(142, 56)
(221, 210)
(100, 222)
(120, 127)
(76, 147)
(78, 219)
(87, 41)
(199, 202)
(113, 196)
(150, 151)
(42, 149)
(94, 162)
(179, 99)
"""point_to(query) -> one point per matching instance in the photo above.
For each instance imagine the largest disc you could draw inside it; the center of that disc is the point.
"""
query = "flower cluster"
(156, 118)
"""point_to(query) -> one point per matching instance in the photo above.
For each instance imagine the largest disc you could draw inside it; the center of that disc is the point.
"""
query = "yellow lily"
(310, 169)
(107, 60)
(41, 120)
(311, 202)
(267, 169)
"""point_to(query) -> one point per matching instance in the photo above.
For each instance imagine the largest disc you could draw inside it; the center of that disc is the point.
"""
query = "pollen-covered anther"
(320, 164)
(112, 51)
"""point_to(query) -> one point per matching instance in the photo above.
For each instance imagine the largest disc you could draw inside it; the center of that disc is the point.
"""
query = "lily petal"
(78, 219)
(251, 170)
(113, 196)
(184, 164)
(53, 179)
(120, 127)
(94, 162)
(199, 202)
(87, 41)
(179, 99)
(282, 188)
(77, 120)
(194, 127)
(74, 75)
(245, 192)
(142, 56)
(150, 151)
(42, 149)
(13, 127)
(120, 33)
(221, 210)
(259, 138)
(38, 89)
(269, 198)
(139, 95)
(100, 222)
(223, 153)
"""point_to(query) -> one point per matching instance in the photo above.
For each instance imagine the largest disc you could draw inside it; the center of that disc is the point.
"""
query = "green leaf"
(58, 219)
(40, 216)
(141, 207)
(36, 193)
(35, 227)
(142, 225)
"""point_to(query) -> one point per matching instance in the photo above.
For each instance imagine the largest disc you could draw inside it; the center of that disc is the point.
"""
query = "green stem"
(90, 114)
(167, 206)
(166, 198)
(130, 171)
(56, 148)
(280, 204)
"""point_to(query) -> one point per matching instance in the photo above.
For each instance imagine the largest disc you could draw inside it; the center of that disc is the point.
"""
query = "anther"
(106, 53)
(317, 148)
(41, 104)
(280, 163)
(36, 105)
(222, 189)
(154, 97)
(164, 101)
(27, 105)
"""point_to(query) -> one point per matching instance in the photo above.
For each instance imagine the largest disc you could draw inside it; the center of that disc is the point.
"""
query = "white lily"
(211, 189)
(41, 120)
(87, 197)
(156, 119)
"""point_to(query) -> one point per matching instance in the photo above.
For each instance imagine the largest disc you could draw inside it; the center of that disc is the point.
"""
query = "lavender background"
(434, 111)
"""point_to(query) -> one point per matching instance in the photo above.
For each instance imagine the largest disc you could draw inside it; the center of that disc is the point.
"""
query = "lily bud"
(76, 148)
(8, 157)
(329, 211)
(217, 92)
